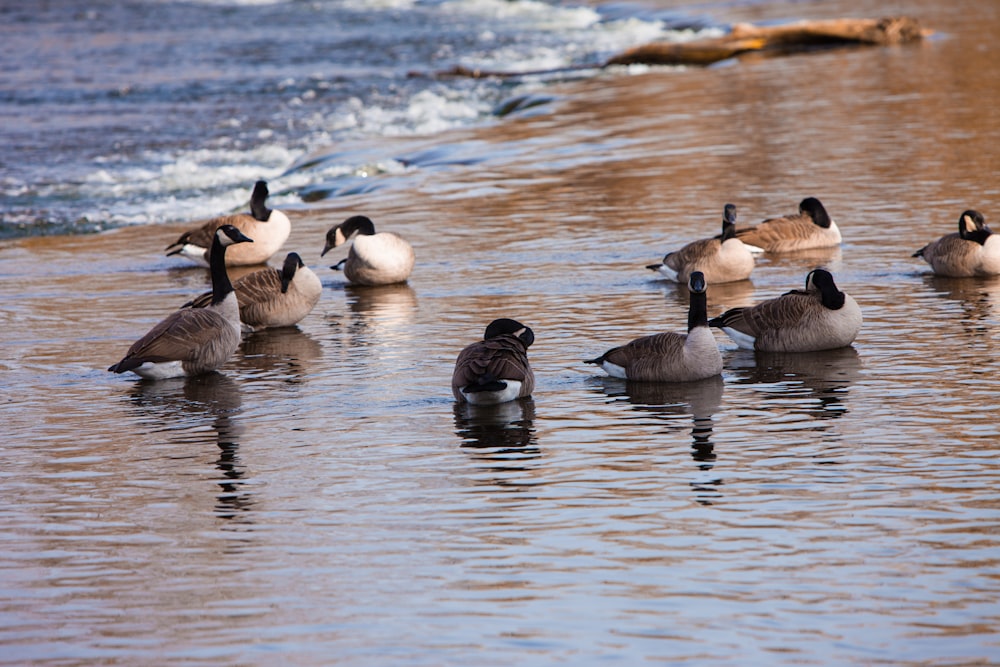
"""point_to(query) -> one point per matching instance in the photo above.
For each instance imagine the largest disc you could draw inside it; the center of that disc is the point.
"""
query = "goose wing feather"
(776, 233)
(251, 290)
(649, 357)
(951, 255)
(499, 358)
(781, 313)
(687, 256)
(180, 337)
(202, 236)
(256, 291)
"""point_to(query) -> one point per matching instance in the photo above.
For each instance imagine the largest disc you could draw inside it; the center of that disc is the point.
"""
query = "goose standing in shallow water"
(974, 250)
(191, 341)
(722, 259)
(670, 356)
(811, 227)
(495, 369)
(374, 259)
(821, 317)
(267, 227)
(272, 298)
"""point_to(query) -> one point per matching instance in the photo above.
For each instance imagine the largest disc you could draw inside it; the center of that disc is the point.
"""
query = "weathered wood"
(743, 38)
(701, 52)
(885, 31)
(790, 37)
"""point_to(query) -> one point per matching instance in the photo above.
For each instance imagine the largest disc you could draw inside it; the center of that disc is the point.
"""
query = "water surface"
(323, 500)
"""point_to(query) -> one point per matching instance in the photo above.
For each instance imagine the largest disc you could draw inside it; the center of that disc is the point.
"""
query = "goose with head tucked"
(721, 259)
(268, 228)
(191, 341)
(496, 369)
(272, 298)
(820, 317)
(974, 250)
(374, 259)
(811, 227)
(670, 356)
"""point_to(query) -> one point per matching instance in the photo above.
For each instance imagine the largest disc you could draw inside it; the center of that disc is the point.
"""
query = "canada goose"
(374, 259)
(268, 228)
(495, 369)
(193, 340)
(811, 227)
(821, 317)
(972, 251)
(722, 259)
(670, 356)
(272, 297)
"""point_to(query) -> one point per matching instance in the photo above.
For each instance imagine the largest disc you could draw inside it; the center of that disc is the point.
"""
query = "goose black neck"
(258, 202)
(361, 224)
(815, 210)
(832, 298)
(288, 270)
(221, 287)
(728, 231)
(698, 310)
(259, 211)
(978, 235)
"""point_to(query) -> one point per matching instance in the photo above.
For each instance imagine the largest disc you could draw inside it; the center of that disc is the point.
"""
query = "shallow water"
(324, 500)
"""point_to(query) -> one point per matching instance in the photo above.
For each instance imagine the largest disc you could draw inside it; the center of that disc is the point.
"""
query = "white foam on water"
(194, 185)
(378, 4)
(210, 180)
(536, 15)
(239, 3)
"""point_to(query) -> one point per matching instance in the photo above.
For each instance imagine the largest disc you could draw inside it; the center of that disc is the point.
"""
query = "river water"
(322, 500)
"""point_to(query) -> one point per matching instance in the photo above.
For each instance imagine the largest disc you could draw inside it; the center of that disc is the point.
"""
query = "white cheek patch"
(970, 224)
(338, 237)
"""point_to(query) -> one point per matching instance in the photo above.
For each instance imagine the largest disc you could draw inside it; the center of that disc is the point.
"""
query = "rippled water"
(323, 500)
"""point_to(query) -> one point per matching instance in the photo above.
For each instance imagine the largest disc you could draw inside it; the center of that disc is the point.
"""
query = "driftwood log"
(787, 38)
(747, 38)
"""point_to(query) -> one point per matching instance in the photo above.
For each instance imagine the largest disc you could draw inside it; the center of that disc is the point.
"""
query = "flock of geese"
(205, 332)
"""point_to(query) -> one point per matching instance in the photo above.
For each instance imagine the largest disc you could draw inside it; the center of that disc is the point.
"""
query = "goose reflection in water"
(503, 433)
(816, 381)
(979, 299)
(186, 406)
(698, 400)
(383, 304)
(377, 313)
(287, 350)
(803, 261)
